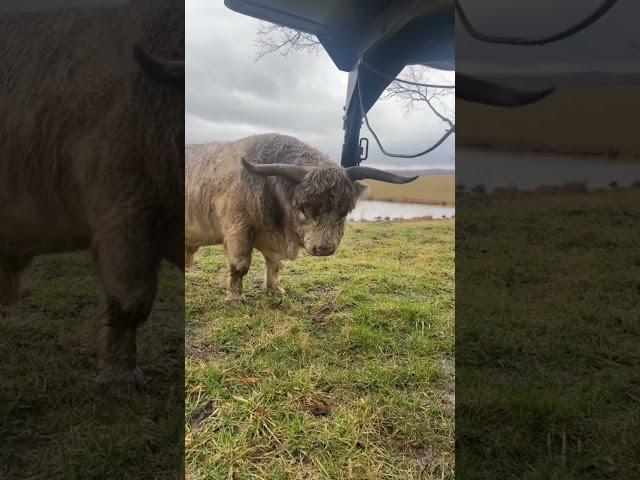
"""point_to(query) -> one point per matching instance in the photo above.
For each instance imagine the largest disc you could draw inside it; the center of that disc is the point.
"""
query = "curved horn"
(295, 173)
(167, 72)
(480, 91)
(368, 173)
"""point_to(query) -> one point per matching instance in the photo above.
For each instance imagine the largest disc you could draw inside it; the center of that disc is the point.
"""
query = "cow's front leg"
(239, 250)
(129, 276)
(272, 280)
(11, 273)
(189, 254)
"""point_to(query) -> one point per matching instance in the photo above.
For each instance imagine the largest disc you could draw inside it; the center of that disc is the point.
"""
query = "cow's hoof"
(122, 384)
(277, 291)
(236, 300)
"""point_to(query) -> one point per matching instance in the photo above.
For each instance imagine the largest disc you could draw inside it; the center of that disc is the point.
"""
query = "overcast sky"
(229, 95)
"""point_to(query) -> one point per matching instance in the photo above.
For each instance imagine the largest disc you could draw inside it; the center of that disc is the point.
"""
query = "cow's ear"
(360, 188)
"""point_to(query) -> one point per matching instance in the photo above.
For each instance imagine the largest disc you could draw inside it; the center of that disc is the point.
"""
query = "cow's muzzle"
(321, 251)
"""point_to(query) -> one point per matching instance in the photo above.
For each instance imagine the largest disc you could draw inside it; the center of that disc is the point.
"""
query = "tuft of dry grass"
(571, 120)
(434, 190)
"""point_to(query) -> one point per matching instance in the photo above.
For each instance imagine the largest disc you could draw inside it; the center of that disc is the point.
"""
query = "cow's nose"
(323, 251)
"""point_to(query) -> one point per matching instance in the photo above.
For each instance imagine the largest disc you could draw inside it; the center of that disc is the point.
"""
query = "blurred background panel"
(547, 199)
(91, 239)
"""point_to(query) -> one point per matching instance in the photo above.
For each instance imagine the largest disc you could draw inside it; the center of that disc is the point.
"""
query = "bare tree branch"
(416, 97)
(276, 38)
(273, 38)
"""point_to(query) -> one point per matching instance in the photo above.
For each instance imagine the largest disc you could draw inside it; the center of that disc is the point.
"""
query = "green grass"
(54, 423)
(547, 332)
(350, 376)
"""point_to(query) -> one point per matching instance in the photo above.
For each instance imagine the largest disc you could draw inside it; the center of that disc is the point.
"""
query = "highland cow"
(269, 192)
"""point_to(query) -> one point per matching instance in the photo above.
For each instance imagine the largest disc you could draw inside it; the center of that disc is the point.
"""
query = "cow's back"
(75, 111)
(212, 183)
(221, 195)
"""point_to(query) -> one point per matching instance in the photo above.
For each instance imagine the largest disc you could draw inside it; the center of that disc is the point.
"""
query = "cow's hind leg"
(129, 275)
(11, 272)
(238, 249)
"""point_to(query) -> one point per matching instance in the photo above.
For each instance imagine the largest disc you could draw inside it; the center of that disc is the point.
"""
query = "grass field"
(438, 190)
(571, 120)
(350, 376)
(547, 336)
(54, 423)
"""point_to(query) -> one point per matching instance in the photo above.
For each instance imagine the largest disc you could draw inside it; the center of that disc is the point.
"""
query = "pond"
(527, 171)
(367, 210)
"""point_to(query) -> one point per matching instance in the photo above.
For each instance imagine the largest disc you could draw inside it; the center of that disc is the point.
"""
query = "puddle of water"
(367, 210)
(526, 171)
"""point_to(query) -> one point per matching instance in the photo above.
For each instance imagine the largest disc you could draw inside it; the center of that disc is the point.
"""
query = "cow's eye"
(301, 216)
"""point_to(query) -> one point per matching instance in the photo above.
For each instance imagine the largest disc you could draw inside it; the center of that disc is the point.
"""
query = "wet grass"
(54, 422)
(350, 376)
(547, 336)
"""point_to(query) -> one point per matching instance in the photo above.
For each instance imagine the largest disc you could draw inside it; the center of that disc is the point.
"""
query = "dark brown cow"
(92, 155)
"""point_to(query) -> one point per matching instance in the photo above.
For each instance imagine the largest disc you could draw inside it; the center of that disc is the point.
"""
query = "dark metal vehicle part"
(374, 40)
